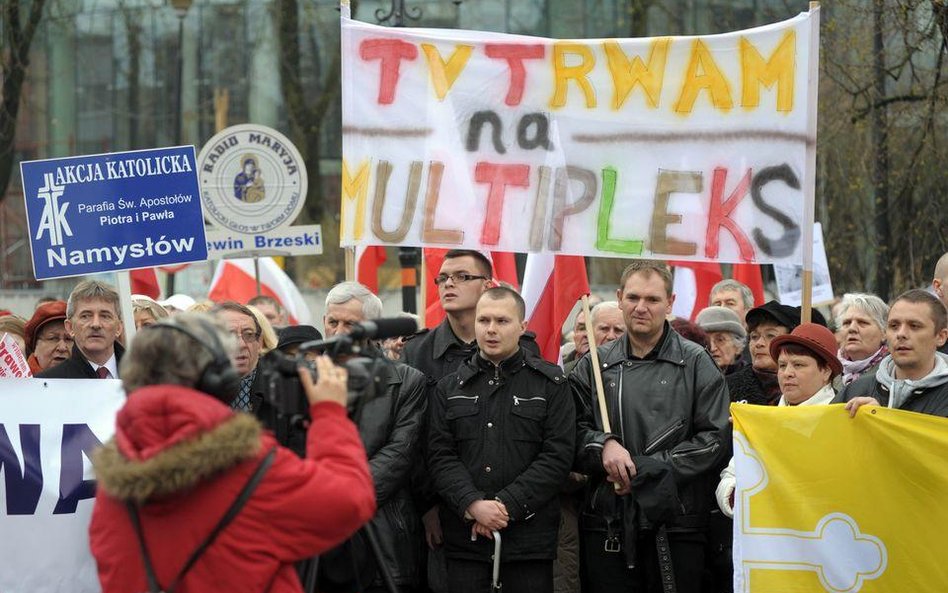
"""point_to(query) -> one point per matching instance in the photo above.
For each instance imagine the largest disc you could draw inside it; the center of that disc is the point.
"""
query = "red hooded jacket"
(185, 456)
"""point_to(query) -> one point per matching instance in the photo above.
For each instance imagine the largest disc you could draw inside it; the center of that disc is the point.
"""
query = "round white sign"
(252, 179)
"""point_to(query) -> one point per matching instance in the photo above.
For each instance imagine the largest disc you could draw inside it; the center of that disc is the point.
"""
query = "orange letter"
(443, 74)
(354, 187)
(627, 73)
(563, 73)
(779, 69)
(711, 78)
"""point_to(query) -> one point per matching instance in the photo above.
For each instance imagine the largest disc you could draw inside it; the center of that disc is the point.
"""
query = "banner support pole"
(423, 291)
(350, 255)
(809, 191)
(597, 373)
(123, 284)
(256, 273)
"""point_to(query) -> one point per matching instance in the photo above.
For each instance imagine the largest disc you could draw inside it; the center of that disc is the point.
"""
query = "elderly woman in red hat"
(806, 365)
(47, 341)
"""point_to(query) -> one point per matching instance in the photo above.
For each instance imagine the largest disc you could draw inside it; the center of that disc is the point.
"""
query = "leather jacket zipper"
(619, 399)
(651, 447)
(517, 400)
(473, 398)
(698, 451)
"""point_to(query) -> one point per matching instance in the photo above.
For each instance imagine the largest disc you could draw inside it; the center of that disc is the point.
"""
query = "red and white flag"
(551, 286)
(145, 281)
(234, 280)
(368, 261)
(13, 364)
(505, 270)
(692, 287)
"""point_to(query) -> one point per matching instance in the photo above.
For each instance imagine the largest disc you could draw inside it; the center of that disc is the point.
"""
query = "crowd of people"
(466, 435)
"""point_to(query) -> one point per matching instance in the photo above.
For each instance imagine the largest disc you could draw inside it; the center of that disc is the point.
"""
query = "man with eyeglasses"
(463, 278)
(241, 322)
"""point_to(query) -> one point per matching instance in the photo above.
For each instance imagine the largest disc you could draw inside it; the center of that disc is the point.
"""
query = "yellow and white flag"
(829, 503)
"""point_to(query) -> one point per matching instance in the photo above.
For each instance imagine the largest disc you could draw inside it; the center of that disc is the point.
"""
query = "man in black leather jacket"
(391, 426)
(500, 445)
(668, 407)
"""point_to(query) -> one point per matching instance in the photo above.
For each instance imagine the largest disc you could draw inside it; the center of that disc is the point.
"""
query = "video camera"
(368, 370)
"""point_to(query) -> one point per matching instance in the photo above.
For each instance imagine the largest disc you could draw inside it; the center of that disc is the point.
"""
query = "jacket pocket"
(664, 436)
(462, 416)
(527, 416)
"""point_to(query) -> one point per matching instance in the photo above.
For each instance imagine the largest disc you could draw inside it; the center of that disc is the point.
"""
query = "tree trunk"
(638, 17)
(15, 56)
(880, 151)
(133, 33)
(303, 121)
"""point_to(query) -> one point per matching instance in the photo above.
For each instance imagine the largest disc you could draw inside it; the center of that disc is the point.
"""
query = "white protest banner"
(48, 429)
(12, 362)
(691, 148)
(790, 277)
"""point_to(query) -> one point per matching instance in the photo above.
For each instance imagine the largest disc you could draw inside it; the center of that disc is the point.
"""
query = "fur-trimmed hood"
(168, 439)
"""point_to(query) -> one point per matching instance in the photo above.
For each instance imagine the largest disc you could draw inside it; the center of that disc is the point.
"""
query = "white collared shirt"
(111, 364)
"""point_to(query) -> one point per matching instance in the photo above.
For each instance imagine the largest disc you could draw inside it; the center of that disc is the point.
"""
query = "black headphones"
(219, 378)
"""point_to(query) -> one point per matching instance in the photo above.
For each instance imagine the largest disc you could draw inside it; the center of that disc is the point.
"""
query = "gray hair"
(739, 342)
(88, 290)
(870, 304)
(603, 306)
(730, 284)
(159, 356)
(344, 292)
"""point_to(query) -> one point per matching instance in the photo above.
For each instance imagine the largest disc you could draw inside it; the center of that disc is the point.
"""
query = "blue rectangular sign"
(116, 211)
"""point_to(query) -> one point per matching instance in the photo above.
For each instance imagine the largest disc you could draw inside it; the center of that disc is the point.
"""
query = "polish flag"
(551, 286)
(234, 281)
(368, 261)
(505, 270)
(145, 281)
(432, 258)
(692, 287)
(750, 275)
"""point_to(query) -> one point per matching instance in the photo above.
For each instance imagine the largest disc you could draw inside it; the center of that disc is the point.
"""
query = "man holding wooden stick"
(652, 471)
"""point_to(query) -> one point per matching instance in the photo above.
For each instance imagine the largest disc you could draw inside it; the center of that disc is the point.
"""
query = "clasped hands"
(488, 516)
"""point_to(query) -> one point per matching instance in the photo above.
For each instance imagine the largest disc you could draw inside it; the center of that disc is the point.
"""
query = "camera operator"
(182, 459)
(391, 426)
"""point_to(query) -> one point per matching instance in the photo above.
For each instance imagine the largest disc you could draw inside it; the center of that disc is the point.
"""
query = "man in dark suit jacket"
(94, 320)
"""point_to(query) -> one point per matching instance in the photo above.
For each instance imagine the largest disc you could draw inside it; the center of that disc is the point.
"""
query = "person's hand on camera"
(331, 384)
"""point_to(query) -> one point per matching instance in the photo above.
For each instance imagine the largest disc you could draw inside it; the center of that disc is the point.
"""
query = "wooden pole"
(350, 264)
(809, 182)
(256, 273)
(597, 372)
(423, 292)
(124, 289)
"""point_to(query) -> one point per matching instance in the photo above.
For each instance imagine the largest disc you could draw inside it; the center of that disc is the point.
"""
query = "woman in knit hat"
(726, 337)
